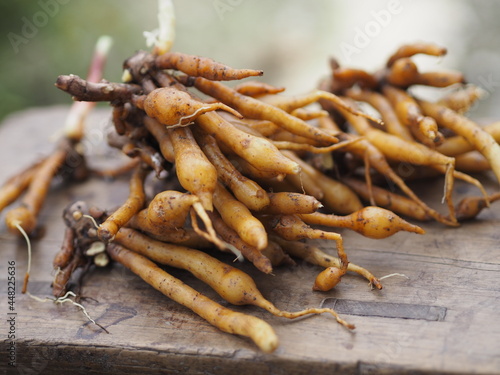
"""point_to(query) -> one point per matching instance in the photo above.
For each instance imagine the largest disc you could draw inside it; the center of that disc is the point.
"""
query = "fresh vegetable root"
(259, 260)
(195, 172)
(457, 145)
(375, 159)
(470, 207)
(63, 257)
(202, 67)
(257, 151)
(253, 108)
(244, 189)
(26, 214)
(16, 185)
(389, 200)
(327, 279)
(226, 320)
(291, 203)
(243, 157)
(239, 218)
(314, 255)
(404, 73)
(392, 123)
(409, 50)
(167, 212)
(175, 108)
(337, 197)
(347, 77)
(232, 284)
(291, 227)
(480, 139)
(256, 89)
(132, 205)
(83, 90)
(411, 152)
(424, 128)
(372, 222)
(290, 104)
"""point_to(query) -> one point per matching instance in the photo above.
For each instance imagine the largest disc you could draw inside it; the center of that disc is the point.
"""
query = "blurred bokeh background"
(291, 40)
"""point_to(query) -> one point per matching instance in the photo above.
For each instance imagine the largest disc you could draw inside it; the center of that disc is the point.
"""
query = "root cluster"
(254, 172)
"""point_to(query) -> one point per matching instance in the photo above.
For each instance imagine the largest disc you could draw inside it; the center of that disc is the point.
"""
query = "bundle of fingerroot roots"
(250, 171)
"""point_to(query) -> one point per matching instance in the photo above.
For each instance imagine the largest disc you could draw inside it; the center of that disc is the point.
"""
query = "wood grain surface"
(442, 318)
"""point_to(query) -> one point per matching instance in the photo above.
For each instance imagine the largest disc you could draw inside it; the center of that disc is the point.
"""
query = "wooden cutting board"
(444, 317)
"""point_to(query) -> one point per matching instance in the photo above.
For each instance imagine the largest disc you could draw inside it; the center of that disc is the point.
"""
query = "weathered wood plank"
(452, 268)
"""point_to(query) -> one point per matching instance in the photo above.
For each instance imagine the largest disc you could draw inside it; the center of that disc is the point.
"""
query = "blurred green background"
(290, 39)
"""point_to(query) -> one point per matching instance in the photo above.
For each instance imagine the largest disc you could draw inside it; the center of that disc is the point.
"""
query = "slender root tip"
(374, 119)
(395, 274)
(342, 321)
(348, 325)
(376, 283)
(413, 228)
(25, 283)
